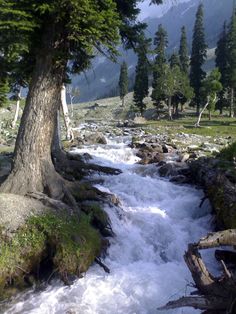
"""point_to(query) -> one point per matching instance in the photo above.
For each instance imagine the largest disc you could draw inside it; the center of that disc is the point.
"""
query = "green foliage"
(222, 56)
(123, 81)
(159, 67)
(229, 153)
(141, 76)
(4, 90)
(71, 244)
(210, 87)
(183, 52)
(198, 56)
(82, 25)
(174, 60)
(231, 53)
(173, 83)
(222, 64)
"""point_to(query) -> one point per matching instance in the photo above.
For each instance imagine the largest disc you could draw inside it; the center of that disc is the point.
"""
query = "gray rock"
(168, 170)
(179, 179)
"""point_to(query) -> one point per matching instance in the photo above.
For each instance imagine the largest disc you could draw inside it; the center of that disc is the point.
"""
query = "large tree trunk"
(33, 169)
(17, 109)
(69, 132)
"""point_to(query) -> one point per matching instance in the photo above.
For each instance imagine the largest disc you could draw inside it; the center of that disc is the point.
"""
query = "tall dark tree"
(183, 51)
(198, 57)
(174, 60)
(231, 59)
(160, 43)
(141, 74)
(222, 64)
(47, 35)
(123, 82)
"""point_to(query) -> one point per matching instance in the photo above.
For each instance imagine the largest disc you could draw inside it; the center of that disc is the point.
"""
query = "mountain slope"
(102, 79)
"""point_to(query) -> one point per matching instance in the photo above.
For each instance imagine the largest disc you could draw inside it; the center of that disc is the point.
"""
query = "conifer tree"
(231, 59)
(160, 43)
(141, 77)
(183, 51)
(198, 57)
(174, 60)
(46, 35)
(222, 64)
(123, 82)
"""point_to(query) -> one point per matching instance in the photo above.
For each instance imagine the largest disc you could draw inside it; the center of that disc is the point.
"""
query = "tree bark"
(69, 132)
(197, 124)
(17, 109)
(33, 169)
(169, 108)
(209, 115)
(123, 101)
(215, 294)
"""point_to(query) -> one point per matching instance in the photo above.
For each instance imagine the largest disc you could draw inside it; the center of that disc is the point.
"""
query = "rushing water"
(156, 221)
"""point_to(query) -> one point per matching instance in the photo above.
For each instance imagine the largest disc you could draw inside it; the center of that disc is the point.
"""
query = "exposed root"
(201, 303)
(56, 204)
(100, 263)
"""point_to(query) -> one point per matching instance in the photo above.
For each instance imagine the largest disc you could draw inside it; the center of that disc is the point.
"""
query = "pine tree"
(174, 60)
(160, 43)
(231, 67)
(183, 51)
(198, 57)
(46, 35)
(123, 82)
(222, 65)
(141, 77)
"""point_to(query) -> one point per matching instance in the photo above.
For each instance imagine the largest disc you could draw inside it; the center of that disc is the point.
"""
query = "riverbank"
(153, 222)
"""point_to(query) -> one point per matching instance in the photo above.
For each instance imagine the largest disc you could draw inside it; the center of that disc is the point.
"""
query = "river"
(153, 225)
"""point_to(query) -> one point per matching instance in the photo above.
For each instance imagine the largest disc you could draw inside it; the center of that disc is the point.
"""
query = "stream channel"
(153, 225)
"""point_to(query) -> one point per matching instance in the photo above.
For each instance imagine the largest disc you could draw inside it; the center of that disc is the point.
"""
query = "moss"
(85, 192)
(70, 245)
(225, 212)
(98, 216)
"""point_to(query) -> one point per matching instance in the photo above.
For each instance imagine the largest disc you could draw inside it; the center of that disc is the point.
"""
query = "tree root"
(201, 303)
(100, 263)
(56, 204)
(216, 294)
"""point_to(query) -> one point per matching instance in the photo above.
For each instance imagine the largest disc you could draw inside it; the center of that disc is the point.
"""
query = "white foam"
(156, 222)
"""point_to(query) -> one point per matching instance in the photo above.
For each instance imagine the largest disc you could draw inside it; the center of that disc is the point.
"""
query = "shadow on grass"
(212, 123)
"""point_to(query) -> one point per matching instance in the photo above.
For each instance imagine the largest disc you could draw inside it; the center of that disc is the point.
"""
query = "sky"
(156, 10)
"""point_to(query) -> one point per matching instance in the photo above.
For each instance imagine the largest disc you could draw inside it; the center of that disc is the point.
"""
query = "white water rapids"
(156, 221)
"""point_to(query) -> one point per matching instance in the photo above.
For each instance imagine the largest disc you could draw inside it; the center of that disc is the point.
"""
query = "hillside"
(102, 79)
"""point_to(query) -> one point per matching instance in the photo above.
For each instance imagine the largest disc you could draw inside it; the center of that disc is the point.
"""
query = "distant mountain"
(102, 79)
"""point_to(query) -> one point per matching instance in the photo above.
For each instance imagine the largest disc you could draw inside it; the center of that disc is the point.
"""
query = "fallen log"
(216, 294)
(201, 303)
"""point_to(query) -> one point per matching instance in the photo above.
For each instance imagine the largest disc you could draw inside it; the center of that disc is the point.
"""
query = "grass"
(217, 127)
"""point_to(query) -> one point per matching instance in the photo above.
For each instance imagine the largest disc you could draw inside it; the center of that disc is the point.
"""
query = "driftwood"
(214, 294)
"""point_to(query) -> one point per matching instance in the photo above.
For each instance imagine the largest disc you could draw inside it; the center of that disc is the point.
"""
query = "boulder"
(168, 170)
(94, 138)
